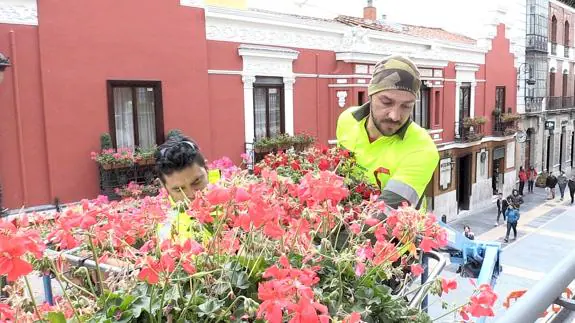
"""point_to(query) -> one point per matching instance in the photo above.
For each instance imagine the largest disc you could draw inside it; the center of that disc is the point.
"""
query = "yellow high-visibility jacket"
(401, 165)
(182, 227)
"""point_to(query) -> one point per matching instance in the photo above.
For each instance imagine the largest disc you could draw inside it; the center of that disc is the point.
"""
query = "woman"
(182, 170)
(571, 185)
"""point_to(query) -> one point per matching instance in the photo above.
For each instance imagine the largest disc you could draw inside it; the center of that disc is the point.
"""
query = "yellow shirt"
(182, 227)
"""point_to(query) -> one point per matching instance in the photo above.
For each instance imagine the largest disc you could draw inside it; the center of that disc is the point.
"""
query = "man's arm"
(408, 183)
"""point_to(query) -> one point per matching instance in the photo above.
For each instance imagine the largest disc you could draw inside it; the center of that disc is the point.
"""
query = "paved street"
(545, 236)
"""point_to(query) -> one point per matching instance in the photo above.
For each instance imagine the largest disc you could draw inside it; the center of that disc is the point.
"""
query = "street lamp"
(4, 63)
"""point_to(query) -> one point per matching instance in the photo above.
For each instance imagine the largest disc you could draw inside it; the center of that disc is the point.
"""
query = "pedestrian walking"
(522, 180)
(515, 199)
(502, 205)
(571, 185)
(512, 219)
(531, 178)
(562, 182)
(550, 183)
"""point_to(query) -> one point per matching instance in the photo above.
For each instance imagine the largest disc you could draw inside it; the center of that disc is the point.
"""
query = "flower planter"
(120, 176)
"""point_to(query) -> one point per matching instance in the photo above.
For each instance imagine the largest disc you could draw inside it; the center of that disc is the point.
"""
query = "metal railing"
(533, 104)
(465, 133)
(553, 49)
(560, 102)
(546, 292)
(566, 51)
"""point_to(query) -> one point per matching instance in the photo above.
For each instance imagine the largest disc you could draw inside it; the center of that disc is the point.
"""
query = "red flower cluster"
(15, 244)
(480, 305)
(290, 290)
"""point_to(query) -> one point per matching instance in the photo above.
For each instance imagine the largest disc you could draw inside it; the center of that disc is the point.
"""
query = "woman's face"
(186, 183)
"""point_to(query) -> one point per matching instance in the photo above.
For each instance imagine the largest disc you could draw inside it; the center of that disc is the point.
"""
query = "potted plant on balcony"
(145, 156)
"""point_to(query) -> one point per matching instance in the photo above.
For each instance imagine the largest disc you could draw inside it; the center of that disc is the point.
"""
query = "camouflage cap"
(395, 73)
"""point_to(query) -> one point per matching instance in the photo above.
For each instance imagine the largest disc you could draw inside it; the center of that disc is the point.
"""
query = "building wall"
(23, 159)
(62, 86)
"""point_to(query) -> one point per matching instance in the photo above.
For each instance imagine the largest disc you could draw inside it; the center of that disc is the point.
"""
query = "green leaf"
(139, 305)
(210, 307)
(240, 280)
(126, 317)
(56, 317)
(127, 301)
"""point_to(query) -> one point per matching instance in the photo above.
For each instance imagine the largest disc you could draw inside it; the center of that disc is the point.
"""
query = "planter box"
(111, 179)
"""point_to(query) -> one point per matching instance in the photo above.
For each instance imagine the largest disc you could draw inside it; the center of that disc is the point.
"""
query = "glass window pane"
(260, 124)
(123, 114)
(146, 117)
(274, 111)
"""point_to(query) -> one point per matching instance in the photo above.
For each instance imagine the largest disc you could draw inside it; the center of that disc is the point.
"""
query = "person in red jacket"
(522, 179)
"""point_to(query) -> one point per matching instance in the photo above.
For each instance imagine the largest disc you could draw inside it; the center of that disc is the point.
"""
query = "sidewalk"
(482, 221)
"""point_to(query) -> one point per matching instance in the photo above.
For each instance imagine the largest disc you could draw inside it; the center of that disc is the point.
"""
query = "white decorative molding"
(374, 58)
(454, 145)
(341, 96)
(249, 26)
(467, 68)
(224, 72)
(267, 61)
(19, 14)
(192, 3)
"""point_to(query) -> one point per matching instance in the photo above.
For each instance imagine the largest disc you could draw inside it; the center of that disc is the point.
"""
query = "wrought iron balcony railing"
(560, 102)
(467, 133)
(533, 104)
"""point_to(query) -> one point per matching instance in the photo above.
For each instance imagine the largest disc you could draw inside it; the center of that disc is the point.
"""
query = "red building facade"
(226, 78)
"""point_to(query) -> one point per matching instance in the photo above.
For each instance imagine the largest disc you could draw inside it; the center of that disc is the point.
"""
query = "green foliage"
(105, 141)
(174, 132)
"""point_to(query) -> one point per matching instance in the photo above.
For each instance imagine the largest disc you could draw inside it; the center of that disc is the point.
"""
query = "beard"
(379, 125)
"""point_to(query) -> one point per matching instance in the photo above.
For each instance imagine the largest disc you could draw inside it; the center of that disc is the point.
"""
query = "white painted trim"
(453, 145)
(457, 98)
(374, 58)
(267, 52)
(454, 80)
(434, 131)
(472, 99)
(267, 61)
(347, 85)
(19, 14)
(265, 28)
(467, 67)
(332, 142)
(305, 75)
(224, 72)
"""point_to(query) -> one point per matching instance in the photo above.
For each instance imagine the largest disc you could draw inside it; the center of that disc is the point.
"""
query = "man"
(550, 183)
(182, 170)
(392, 151)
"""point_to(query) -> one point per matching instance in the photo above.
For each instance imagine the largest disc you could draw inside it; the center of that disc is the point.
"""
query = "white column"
(249, 107)
(288, 104)
(472, 100)
(457, 98)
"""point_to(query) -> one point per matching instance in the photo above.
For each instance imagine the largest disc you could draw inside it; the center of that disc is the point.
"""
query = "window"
(421, 111)
(552, 83)
(566, 43)
(437, 108)
(500, 98)
(465, 100)
(554, 30)
(135, 113)
(268, 107)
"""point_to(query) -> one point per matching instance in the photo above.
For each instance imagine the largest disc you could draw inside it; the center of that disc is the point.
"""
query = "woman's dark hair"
(466, 227)
(177, 153)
